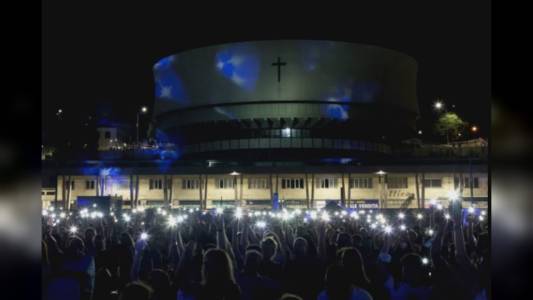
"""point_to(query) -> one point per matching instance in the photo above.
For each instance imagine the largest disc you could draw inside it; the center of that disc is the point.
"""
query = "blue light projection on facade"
(239, 64)
(352, 92)
(168, 84)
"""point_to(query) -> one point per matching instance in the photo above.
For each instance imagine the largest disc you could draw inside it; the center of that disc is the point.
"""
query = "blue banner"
(275, 201)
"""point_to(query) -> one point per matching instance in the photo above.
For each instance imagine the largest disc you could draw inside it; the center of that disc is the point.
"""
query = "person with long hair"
(339, 287)
(218, 280)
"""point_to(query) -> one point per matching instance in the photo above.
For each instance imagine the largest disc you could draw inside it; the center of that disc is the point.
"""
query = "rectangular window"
(292, 183)
(327, 183)
(432, 183)
(361, 183)
(258, 183)
(456, 181)
(397, 182)
(476, 182)
(224, 183)
(156, 184)
(190, 184)
(89, 184)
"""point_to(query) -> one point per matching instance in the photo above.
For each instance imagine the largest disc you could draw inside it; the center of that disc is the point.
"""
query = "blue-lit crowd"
(233, 253)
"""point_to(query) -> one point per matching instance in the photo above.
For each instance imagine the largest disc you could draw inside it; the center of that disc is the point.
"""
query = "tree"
(450, 125)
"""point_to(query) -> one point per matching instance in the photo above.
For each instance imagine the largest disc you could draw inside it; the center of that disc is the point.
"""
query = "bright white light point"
(127, 218)
(164, 212)
(481, 218)
(419, 216)
(336, 213)
(344, 213)
(432, 202)
(388, 229)
(134, 211)
(190, 210)
(354, 215)
(439, 206)
(430, 232)
(73, 229)
(401, 216)
(257, 213)
(260, 224)
(238, 213)
(325, 217)
(425, 260)
(144, 236)
(438, 105)
(94, 205)
(483, 213)
(362, 212)
(45, 212)
(453, 195)
(373, 226)
(219, 210)
(144, 109)
(402, 227)
(172, 221)
(471, 210)
(447, 216)
(51, 208)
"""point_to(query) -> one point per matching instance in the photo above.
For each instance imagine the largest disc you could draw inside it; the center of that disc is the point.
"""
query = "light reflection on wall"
(168, 84)
(240, 64)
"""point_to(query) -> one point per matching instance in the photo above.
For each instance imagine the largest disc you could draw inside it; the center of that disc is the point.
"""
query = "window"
(258, 183)
(107, 134)
(89, 184)
(476, 182)
(361, 183)
(327, 183)
(51, 192)
(397, 182)
(156, 184)
(292, 183)
(432, 183)
(466, 182)
(190, 184)
(224, 183)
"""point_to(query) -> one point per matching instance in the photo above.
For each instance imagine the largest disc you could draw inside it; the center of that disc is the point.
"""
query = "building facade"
(295, 121)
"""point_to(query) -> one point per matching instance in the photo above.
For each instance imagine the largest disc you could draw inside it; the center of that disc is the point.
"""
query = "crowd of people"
(435, 253)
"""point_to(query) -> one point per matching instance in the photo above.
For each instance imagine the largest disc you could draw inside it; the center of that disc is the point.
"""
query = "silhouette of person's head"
(300, 247)
(217, 268)
(252, 262)
(136, 291)
(269, 247)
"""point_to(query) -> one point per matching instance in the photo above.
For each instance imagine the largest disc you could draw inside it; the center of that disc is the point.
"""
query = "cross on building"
(279, 64)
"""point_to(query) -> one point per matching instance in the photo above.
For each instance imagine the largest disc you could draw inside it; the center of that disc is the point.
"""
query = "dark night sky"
(100, 57)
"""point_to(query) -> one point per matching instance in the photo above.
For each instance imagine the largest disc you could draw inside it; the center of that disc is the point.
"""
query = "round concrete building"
(285, 99)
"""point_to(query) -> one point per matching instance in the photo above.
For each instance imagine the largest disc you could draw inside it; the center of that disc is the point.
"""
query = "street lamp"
(142, 110)
(438, 105)
(474, 129)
